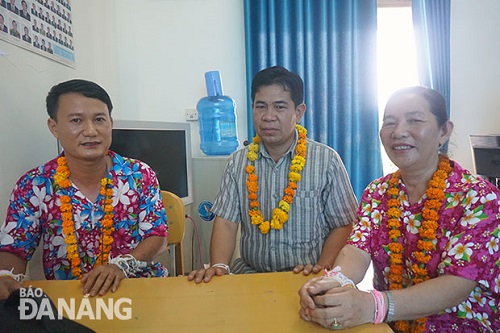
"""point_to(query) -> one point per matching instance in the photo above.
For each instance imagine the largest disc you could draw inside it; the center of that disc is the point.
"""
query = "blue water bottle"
(217, 118)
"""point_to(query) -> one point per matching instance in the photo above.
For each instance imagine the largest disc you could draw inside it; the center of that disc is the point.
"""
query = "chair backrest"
(176, 221)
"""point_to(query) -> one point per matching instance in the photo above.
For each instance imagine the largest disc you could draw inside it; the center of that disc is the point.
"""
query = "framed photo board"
(44, 27)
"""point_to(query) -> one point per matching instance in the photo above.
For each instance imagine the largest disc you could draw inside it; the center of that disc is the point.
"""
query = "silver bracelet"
(128, 264)
(390, 306)
(17, 277)
(221, 265)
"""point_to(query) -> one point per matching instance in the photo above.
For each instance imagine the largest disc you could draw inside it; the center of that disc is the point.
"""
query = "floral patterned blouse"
(34, 214)
(467, 245)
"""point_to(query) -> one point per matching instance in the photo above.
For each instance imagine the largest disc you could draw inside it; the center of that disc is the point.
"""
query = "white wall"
(475, 74)
(165, 48)
(151, 56)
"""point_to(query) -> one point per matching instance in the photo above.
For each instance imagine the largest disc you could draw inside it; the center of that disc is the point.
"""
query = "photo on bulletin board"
(44, 27)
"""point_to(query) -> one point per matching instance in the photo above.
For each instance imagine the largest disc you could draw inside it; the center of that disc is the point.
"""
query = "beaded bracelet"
(390, 306)
(221, 265)
(338, 276)
(380, 307)
(17, 277)
(128, 264)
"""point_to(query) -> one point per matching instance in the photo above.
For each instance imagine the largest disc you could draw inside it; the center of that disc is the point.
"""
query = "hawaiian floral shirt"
(34, 214)
(467, 245)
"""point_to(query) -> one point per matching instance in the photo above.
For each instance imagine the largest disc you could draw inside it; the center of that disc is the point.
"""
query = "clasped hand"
(101, 279)
(324, 301)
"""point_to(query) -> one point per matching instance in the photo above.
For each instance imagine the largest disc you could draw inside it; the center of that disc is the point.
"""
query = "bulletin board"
(44, 27)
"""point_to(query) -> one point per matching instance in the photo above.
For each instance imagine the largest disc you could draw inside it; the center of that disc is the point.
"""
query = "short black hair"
(86, 88)
(279, 75)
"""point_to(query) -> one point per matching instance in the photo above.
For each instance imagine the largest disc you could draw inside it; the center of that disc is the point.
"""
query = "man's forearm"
(223, 241)
(9, 261)
(149, 248)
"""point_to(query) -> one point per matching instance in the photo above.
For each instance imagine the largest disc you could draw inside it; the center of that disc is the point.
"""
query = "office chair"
(176, 221)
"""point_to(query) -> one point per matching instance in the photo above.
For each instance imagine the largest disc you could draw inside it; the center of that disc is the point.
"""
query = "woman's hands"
(324, 302)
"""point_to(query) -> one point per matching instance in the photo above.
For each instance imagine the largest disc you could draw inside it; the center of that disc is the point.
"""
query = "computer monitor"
(486, 155)
(164, 146)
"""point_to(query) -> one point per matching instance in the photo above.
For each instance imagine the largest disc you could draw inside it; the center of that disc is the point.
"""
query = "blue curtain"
(431, 24)
(332, 46)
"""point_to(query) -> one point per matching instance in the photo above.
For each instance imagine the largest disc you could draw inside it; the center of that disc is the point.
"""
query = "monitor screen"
(487, 162)
(164, 146)
(486, 154)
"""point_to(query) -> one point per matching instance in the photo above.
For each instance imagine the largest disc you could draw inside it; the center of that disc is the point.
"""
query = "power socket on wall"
(191, 114)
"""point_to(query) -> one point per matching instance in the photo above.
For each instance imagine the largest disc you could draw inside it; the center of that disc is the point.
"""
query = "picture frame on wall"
(44, 27)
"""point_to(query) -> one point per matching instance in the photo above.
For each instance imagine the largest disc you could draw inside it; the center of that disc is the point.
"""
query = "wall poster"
(41, 26)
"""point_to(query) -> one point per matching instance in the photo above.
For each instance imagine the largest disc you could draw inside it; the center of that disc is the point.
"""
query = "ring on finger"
(335, 325)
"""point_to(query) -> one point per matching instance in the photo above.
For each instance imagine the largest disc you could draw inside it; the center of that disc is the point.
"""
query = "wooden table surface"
(266, 302)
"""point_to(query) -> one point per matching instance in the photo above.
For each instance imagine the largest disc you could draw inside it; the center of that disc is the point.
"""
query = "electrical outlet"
(191, 114)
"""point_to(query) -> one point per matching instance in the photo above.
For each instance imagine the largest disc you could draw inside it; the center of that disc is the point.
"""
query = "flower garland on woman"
(280, 213)
(427, 232)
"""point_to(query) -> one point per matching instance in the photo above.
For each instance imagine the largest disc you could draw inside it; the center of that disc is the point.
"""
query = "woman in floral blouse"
(100, 215)
(431, 230)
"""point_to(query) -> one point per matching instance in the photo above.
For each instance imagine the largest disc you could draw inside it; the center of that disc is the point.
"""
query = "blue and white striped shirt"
(324, 200)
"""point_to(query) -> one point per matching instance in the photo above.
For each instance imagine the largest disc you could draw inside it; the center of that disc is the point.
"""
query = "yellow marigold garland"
(280, 213)
(427, 232)
(61, 178)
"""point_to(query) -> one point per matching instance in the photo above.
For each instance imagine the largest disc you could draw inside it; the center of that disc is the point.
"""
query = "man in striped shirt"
(319, 218)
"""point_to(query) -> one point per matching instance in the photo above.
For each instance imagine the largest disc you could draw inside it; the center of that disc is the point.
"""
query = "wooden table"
(266, 302)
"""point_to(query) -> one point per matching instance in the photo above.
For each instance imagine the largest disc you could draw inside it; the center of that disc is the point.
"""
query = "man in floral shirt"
(100, 215)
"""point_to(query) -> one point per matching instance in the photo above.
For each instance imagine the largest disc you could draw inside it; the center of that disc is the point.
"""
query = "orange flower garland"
(280, 213)
(61, 178)
(107, 221)
(427, 232)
